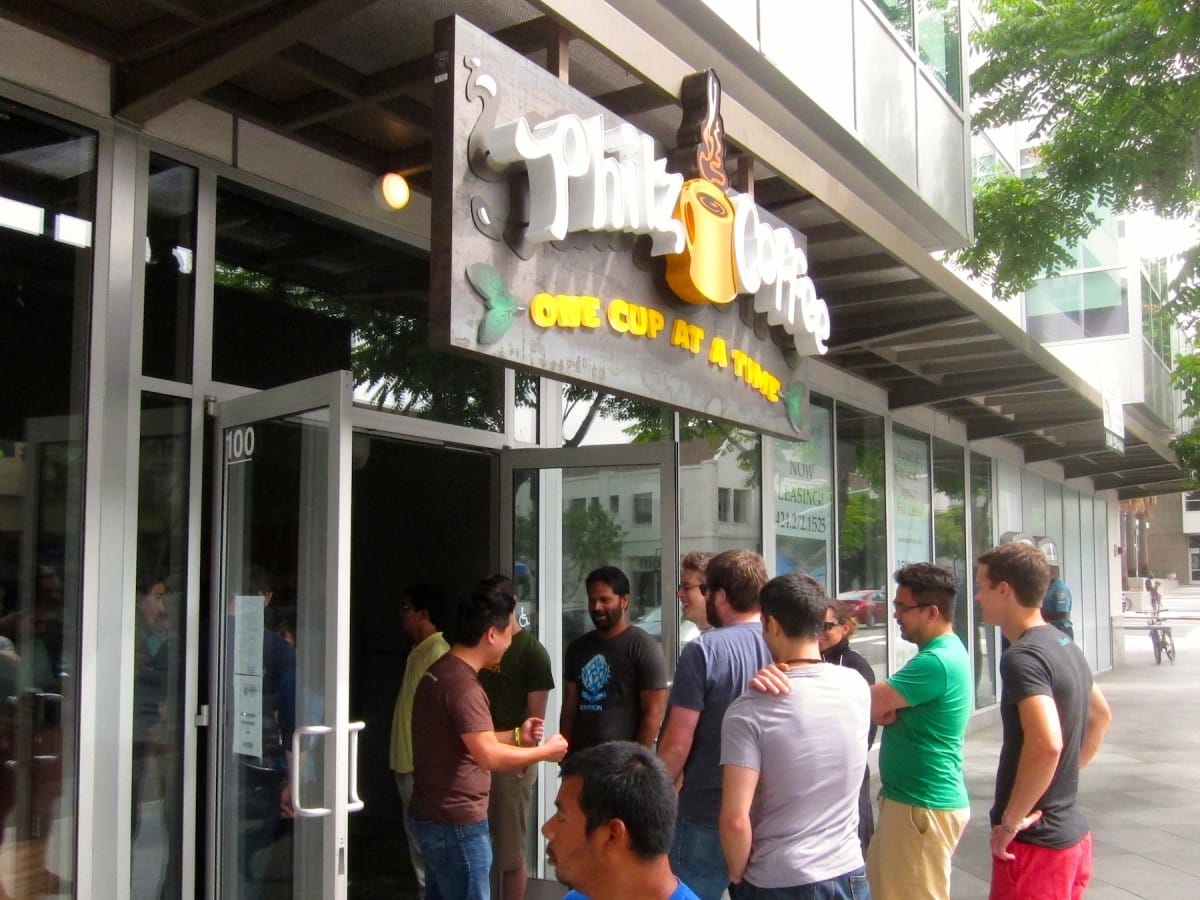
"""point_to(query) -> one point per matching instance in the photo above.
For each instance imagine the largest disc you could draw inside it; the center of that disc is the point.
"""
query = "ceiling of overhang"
(351, 78)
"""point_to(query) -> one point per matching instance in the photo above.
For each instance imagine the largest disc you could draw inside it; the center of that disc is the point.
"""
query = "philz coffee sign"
(566, 243)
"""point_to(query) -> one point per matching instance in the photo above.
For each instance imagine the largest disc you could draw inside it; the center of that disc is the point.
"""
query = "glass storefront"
(47, 215)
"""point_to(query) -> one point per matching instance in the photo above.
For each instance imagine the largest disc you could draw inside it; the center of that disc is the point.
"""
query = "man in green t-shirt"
(923, 807)
(517, 689)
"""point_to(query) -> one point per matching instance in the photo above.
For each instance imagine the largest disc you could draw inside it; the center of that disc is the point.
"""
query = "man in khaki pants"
(924, 707)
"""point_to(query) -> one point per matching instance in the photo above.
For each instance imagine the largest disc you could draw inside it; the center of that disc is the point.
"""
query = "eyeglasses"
(406, 607)
(829, 626)
(701, 587)
(904, 607)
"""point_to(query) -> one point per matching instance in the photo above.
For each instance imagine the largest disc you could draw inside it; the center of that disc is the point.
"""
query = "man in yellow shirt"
(422, 608)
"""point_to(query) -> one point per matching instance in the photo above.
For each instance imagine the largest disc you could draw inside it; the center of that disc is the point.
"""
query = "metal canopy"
(351, 78)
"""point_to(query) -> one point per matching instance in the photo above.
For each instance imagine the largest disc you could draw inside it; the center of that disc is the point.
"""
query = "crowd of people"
(750, 775)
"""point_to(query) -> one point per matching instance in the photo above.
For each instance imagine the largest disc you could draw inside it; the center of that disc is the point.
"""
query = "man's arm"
(1040, 752)
(535, 702)
(885, 702)
(675, 745)
(737, 791)
(493, 752)
(653, 704)
(1099, 718)
(570, 703)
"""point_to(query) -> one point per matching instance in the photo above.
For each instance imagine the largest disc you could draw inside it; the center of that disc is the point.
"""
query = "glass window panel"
(297, 295)
(900, 14)
(982, 539)
(159, 640)
(950, 527)
(861, 518)
(939, 43)
(720, 473)
(170, 283)
(47, 169)
(910, 481)
(804, 498)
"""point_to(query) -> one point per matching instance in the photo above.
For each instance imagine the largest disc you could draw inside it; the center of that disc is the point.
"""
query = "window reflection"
(982, 539)
(158, 640)
(170, 271)
(862, 526)
(950, 527)
(297, 295)
(49, 166)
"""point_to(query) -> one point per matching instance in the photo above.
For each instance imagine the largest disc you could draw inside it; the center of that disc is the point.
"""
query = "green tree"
(1112, 88)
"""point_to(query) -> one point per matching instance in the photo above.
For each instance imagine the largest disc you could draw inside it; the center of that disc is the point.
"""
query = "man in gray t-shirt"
(792, 762)
(713, 670)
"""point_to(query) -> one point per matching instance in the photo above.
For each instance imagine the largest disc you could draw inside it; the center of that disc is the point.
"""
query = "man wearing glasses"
(691, 592)
(923, 807)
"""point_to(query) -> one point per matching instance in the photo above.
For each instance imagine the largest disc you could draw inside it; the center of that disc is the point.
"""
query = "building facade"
(242, 408)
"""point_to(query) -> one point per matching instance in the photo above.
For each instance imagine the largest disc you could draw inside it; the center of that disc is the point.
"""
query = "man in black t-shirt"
(615, 676)
(1050, 707)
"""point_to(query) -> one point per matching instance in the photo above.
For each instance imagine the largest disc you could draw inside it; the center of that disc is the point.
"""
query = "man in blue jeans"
(714, 669)
(455, 750)
(608, 838)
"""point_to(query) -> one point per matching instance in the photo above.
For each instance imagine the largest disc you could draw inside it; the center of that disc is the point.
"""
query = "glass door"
(284, 757)
(566, 512)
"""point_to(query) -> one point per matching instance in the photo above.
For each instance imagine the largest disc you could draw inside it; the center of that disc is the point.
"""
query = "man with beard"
(713, 671)
(615, 676)
(610, 833)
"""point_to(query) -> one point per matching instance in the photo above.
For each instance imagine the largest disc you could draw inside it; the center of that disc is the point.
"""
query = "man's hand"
(287, 809)
(532, 730)
(555, 747)
(772, 680)
(1001, 838)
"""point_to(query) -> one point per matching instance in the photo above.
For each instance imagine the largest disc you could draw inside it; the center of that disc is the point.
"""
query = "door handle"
(355, 802)
(304, 812)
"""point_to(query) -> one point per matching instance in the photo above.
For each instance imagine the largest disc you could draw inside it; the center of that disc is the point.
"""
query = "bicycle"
(1161, 638)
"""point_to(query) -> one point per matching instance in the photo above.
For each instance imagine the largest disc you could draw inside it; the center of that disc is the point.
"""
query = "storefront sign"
(565, 243)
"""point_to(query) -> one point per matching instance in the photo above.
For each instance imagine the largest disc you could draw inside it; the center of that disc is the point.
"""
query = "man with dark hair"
(691, 593)
(608, 839)
(713, 670)
(518, 688)
(1054, 719)
(793, 762)
(1056, 604)
(422, 607)
(615, 676)
(456, 748)
(923, 806)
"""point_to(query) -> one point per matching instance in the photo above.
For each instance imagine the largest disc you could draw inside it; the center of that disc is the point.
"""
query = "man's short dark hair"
(797, 602)
(613, 577)
(480, 610)
(1023, 566)
(741, 574)
(931, 584)
(626, 781)
(498, 581)
(427, 598)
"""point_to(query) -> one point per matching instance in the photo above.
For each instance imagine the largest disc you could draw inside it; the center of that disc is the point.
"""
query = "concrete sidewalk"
(1141, 795)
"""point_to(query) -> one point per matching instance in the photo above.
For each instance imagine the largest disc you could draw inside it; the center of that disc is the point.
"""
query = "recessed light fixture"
(392, 191)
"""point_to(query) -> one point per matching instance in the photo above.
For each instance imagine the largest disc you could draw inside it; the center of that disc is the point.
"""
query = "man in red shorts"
(1054, 720)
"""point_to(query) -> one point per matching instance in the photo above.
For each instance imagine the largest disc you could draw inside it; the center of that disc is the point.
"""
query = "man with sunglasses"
(923, 807)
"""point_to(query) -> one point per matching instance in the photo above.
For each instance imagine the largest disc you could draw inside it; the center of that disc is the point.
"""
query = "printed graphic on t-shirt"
(594, 678)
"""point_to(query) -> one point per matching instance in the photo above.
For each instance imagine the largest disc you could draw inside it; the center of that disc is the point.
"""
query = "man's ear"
(616, 835)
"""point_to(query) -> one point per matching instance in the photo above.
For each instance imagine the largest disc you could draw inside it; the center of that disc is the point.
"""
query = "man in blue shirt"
(1056, 605)
(615, 814)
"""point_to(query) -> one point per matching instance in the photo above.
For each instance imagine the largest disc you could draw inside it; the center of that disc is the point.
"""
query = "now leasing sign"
(565, 242)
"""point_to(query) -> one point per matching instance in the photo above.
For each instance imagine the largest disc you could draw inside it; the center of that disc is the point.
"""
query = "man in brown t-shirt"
(455, 749)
